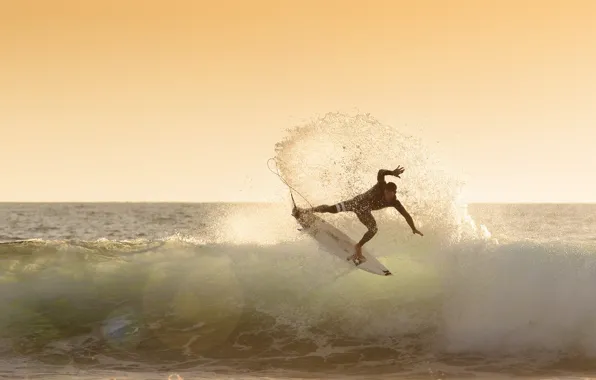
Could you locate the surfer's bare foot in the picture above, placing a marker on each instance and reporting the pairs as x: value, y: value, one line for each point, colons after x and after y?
x: 298, y: 212
x: 358, y: 255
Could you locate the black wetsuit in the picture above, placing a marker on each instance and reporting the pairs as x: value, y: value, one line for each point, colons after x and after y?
x: 362, y: 204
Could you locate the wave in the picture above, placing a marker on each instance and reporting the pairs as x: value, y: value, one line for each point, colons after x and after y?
x: 291, y: 301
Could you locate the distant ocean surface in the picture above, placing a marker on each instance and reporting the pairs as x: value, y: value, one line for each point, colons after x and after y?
x: 235, y: 291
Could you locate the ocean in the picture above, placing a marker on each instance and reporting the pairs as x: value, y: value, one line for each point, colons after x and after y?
x: 235, y: 291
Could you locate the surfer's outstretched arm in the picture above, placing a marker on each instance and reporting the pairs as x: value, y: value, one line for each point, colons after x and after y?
x: 408, y: 218
x: 383, y: 172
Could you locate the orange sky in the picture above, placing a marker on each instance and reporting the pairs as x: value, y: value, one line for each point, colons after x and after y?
x: 162, y: 100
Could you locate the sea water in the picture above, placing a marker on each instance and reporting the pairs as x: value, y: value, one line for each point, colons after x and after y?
x: 147, y: 291
x: 235, y: 291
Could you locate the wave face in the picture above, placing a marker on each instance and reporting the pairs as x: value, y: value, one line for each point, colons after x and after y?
x: 289, y: 305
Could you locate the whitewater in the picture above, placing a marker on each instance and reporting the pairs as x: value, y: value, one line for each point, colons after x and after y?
x: 194, y: 291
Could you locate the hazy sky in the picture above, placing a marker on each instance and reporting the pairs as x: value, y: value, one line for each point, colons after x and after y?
x: 123, y: 100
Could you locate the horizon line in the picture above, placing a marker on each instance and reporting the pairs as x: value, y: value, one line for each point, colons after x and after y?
x: 280, y: 202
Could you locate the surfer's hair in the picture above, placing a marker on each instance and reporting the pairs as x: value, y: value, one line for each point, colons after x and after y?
x: 391, y: 186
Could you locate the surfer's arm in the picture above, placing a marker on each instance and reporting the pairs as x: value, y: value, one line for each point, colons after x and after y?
x: 399, y: 207
x: 382, y: 173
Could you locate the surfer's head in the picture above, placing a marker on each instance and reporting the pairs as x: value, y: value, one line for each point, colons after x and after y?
x: 390, y: 190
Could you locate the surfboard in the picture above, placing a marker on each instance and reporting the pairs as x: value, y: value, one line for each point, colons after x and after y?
x: 335, y: 241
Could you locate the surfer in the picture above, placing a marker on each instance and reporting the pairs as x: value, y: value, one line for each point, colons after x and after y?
x: 381, y: 195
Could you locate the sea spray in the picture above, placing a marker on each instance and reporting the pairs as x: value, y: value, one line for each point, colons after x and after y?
x: 337, y: 156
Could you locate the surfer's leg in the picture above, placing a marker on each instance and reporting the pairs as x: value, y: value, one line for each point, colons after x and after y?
x: 324, y: 208
x: 370, y: 223
x: 334, y: 209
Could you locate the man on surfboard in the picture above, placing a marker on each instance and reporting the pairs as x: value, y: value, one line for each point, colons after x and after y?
x: 381, y: 195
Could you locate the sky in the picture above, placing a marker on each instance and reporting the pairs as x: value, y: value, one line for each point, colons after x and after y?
x: 183, y: 100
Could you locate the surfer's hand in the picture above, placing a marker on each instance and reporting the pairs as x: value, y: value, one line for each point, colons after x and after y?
x: 398, y: 171
x: 414, y: 231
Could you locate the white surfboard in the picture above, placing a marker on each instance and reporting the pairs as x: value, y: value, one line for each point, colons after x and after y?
x: 337, y: 242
